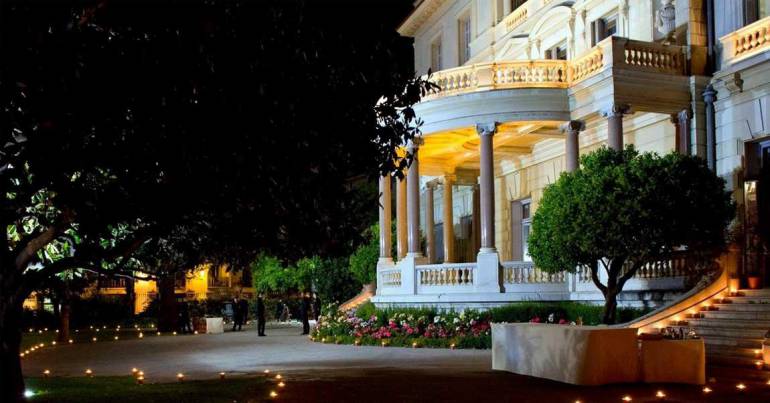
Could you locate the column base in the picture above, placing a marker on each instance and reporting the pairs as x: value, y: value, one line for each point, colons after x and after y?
x: 385, y: 262
x: 488, y: 271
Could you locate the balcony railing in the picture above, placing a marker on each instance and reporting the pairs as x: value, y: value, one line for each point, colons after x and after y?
x: 112, y: 283
x: 526, y: 273
x: 448, y: 274
x: 515, y: 18
x: 613, y: 51
x: 390, y: 278
x: 747, y: 41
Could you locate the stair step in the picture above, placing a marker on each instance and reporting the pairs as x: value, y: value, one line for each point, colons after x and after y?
x: 743, y: 342
x: 735, y: 361
x: 749, y: 292
x: 729, y: 323
x: 729, y: 372
x: 747, y: 299
x: 730, y: 332
x: 733, y: 351
x: 734, y: 307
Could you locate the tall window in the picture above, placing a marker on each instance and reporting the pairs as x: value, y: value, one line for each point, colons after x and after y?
x: 464, y: 43
x: 516, y: 4
x: 435, y: 55
x: 603, y: 28
x: 755, y: 10
x: 558, y: 52
x: 521, y: 222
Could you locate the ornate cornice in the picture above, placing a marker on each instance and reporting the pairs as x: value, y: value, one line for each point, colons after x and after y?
x: 422, y: 13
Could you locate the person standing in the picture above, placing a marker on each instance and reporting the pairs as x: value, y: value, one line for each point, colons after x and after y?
x: 303, y: 313
x: 316, y: 307
x: 279, y: 311
x: 236, y: 314
x: 260, y: 315
x: 243, y: 308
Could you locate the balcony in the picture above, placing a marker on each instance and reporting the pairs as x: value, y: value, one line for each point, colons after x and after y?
x: 746, y: 42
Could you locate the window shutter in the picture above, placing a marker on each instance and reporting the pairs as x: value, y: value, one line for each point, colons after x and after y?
x: 517, y: 250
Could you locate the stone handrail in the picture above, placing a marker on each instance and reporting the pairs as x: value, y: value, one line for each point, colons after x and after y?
x: 613, y: 51
x: 447, y: 274
x: 749, y: 40
x: 653, y: 57
x: 390, y: 278
x: 515, y: 18
x: 527, y: 273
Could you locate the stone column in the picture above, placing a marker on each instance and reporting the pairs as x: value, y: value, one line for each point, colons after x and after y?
x: 487, y: 186
x: 401, y: 218
x: 709, y: 97
x: 448, y: 225
x: 614, y: 114
x: 475, y: 218
x: 685, y: 117
x: 430, y: 240
x: 385, y: 217
x: 572, y: 131
x: 488, y: 274
x: 413, y: 202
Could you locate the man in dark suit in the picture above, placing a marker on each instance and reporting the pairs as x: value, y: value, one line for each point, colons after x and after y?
x: 303, y: 313
x: 236, y: 313
x: 260, y: 315
x: 243, y: 309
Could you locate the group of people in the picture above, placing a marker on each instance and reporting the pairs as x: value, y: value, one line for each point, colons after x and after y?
x: 310, y: 307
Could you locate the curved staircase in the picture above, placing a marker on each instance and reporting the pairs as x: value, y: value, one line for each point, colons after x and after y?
x: 733, y: 329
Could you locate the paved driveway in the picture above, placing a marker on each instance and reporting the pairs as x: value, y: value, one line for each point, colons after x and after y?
x: 204, y: 356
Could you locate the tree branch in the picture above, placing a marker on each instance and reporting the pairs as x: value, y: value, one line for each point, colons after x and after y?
x: 595, y: 278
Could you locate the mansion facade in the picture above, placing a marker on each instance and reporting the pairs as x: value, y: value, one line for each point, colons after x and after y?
x: 525, y: 88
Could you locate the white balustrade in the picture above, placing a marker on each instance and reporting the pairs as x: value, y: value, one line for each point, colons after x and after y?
x: 527, y: 273
x: 747, y: 41
x: 447, y: 274
x: 390, y: 278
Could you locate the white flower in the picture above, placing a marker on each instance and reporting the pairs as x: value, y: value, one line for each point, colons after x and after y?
x: 457, y: 320
x: 437, y: 319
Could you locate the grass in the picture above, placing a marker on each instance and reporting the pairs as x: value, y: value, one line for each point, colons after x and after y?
x: 119, y: 389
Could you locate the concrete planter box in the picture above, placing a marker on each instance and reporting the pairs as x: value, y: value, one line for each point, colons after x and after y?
x: 210, y: 325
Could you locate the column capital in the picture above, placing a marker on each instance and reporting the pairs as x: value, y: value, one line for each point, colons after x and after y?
x: 486, y: 129
x: 685, y: 113
x: 573, y: 126
x: 614, y: 109
x: 448, y: 177
x: 709, y: 94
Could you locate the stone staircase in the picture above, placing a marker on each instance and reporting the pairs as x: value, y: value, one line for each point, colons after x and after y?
x: 733, y: 329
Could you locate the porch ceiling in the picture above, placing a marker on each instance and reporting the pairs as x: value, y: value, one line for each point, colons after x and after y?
x: 458, y: 149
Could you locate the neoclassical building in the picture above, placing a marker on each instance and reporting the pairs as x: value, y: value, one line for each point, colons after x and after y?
x: 526, y: 86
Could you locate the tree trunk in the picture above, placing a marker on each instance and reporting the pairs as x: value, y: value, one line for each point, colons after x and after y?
x: 167, y: 315
x: 610, y: 307
x: 11, y: 379
x: 64, y: 320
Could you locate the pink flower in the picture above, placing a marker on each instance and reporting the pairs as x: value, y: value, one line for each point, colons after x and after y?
x: 536, y: 319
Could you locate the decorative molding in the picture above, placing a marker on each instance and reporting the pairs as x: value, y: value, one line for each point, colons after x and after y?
x: 422, y: 13
x: 733, y: 83
x: 615, y: 109
x: 486, y: 129
x: 573, y: 126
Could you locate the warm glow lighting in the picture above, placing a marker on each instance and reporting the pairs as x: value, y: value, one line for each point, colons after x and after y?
x: 267, y: 371
x: 281, y: 384
x: 452, y: 346
x: 140, y: 380
x: 706, y: 390
x: 759, y: 364
x: 29, y: 393
x: 741, y: 387
x: 273, y: 394
x: 141, y: 374
x: 116, y: 337
x: 21, y: 355
x: 70, y: 341
x: 757, y: 352
x: 660, y: 394
x: 278, y: 376
x: 222, y: 375
x: 89, y: 372
x: 158, y: 333
x: 626, y: 398
x: 414, y: 345
x: 46, y: 373
x: 174, y: 333
x: 140, y: 335
x: 134, y: 371
x: 180, y: 377
x: 94, y: 339
x: 676, y: 318
x: 53, y: 343
x: 195, y: 332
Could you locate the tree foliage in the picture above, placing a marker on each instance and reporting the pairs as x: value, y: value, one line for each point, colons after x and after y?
x: 624, y: 209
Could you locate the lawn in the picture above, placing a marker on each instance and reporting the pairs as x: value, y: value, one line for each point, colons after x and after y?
x: 125, y: 389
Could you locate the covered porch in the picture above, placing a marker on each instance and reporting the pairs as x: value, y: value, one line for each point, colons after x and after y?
x: 491, y: 119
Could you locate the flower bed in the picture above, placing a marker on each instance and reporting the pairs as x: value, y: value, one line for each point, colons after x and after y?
x: 408, y: 327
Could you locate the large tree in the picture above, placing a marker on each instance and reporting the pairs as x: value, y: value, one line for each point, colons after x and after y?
x: 624, y: 209
x: 125, y: 124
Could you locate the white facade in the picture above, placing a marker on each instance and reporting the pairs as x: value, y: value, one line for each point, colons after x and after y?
x: 532, y: 67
